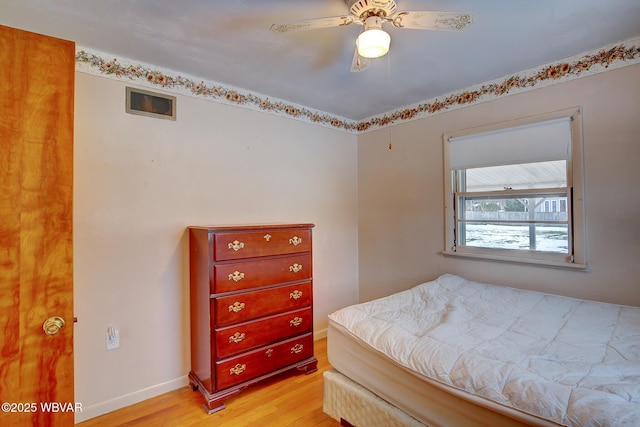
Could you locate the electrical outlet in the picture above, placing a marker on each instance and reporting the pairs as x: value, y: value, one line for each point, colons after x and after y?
x: 113, y: 337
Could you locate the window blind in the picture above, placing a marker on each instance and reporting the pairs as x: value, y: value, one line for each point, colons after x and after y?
x: 535, y: 142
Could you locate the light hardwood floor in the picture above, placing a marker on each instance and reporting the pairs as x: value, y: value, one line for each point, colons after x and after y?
x: 291, y: 399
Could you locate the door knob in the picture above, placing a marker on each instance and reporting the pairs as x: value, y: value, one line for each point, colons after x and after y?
x: 52, y: 325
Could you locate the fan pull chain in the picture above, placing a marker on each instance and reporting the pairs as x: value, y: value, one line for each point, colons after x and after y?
x: 388, y: 96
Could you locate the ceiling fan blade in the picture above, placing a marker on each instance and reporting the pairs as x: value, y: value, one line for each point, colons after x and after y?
x: 313, y: 24
x: 431, y: 20
x: 359, y: 63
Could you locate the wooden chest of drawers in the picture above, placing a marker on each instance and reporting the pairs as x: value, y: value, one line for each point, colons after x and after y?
x: 251, y: 306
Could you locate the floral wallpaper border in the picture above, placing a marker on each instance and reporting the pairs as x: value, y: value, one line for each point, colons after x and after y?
x: 596, y: 61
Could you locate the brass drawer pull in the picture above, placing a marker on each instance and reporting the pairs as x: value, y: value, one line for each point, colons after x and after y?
x: 267, y: 237
x: 236, y: 245
x: 236, y: 306
x: 237, y: 337
x: 269, y: 352
x: 295, y: 267
x: 238, y: 369
x: 295, y: 294
x: 295, y: 241
x: 296, y: 321
x: 236, y: 276
x: 297, y: 348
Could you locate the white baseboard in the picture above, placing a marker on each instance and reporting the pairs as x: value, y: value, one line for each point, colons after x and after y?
x: 119, y: 402
x: 318, y: 335
x: 101, y: 408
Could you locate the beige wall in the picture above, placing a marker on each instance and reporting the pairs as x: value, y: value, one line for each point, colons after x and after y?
x: 400, y: 221
x: 378, y: 213
x: 139, y: 182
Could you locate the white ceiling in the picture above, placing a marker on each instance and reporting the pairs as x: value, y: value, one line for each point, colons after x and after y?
x: 229, y: 42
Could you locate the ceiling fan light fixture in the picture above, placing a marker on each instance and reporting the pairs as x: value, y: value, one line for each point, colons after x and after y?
x: 373, y: 42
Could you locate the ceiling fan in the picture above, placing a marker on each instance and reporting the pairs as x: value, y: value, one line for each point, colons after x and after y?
x: 373, y: 41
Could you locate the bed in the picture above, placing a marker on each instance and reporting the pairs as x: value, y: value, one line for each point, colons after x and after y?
x: 454, y: 352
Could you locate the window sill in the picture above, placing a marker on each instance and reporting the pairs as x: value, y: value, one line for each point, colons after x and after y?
x: 526, y: 261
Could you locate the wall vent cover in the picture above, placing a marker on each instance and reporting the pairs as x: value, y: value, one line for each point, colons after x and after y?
x: 150, y: 104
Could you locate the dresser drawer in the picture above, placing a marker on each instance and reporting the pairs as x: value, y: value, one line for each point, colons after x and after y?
x: 251, y: 305
x: 250, y: 365
x: 250, y: 244
x: 260, y: 272
x: 238, y: 338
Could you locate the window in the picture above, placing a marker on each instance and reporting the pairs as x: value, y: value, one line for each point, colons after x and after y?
x: 515, y: 191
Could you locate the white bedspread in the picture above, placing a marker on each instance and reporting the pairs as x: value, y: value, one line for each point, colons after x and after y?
x: 571, y: 361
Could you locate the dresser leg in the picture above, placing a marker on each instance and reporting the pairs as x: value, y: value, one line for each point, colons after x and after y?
x: 214, y: 406
x: 213, y: 402
x: 194, y: 382
x: 310, y: 367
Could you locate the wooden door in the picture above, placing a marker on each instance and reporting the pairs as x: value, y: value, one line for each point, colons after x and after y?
x: 36, y: 248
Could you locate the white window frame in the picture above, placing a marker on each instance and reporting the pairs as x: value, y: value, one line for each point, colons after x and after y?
x: 576, y: 259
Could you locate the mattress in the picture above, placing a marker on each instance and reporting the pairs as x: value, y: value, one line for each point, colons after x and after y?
x: 518, y: 356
